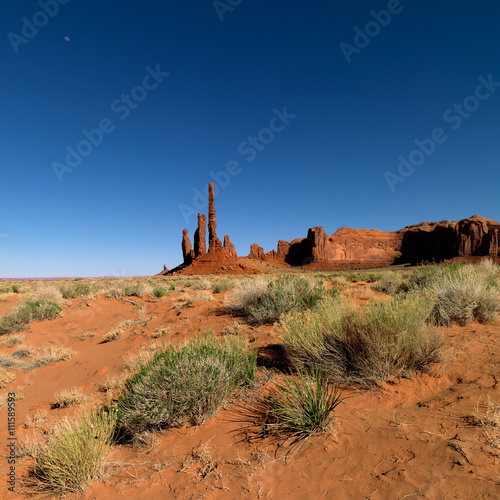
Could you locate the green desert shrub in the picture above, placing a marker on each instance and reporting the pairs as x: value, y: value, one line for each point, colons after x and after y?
x: 366, y: 346
x: 74, y: 453
x: 185, y: 385
x: 159, y: 292
x: 18, y: 319
x: 265, y: 301
x: 301, y: 406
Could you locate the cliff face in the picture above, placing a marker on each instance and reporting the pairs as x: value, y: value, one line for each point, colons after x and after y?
x: 428, y: 241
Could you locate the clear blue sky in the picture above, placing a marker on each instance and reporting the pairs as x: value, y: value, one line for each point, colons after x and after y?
x: 232, y: 66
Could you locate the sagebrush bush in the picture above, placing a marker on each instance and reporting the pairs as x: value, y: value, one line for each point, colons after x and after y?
x: 27, y: 311
x: 74, y: 453
x: 188, y: 384
x: 464, y: 292
x: 265, y: 301
x: 364, y: 346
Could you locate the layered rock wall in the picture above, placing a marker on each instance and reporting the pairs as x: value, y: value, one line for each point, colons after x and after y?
x: 428, y: 241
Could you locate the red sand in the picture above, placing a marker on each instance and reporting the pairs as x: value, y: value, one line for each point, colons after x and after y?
x: 406, y: 439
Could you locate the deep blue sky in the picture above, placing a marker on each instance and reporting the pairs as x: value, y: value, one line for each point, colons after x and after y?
x: 117, y: 212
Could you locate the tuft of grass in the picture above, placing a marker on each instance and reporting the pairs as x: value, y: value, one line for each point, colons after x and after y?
x: 19, y: 319
x: 185, y: 385
x: 69, y: 397
x: 6, y: 377
x: 159, y: 292
x: 391, y: 286
x: 391, y: 338
x: 52, y: 354
x: 74, y: 454
x: 116, y: 332
x: 202, y: 285
x: 265, y: 301
x: 47, y: 294
x: 302, y: 406
x: 75, y: 289
x: 222, y: 285
x: 490, y: 422
x: 36, y: 420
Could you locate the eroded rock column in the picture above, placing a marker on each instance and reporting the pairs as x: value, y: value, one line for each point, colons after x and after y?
x: 214, y: 243
x: 200, y: 243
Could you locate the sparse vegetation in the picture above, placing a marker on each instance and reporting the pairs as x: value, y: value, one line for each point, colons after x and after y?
x: 19, y: 319
x: 72, y: 290
x: 187, y: 384
x: 74, y: 453
x: 364, y: 346
x: 265, y: 301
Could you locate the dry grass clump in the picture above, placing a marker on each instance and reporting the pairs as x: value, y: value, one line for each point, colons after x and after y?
x: 74, y: 453
x: 160, y: 332
x: 202, y: 285
x: 69, y: 397
x: 49, y: 354
x: 490, y: 421
x: 47, y: 294
x: 185, y: 385
x: 36, y: 420
x: 201, y: 296
x: 6, y: 377
x: 265, y: 301
x: 116, y: 332
x: 363, y: 346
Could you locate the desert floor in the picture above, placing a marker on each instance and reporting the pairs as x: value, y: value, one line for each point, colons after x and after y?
x: 409, y: 438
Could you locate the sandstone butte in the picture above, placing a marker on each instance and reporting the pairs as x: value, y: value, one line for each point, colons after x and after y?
x: 347, y: 248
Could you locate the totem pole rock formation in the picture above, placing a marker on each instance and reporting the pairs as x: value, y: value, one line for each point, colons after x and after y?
x: 214, y: 244
x: 229, y: 247
x: 187, y: 252
x: 200, y: 244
